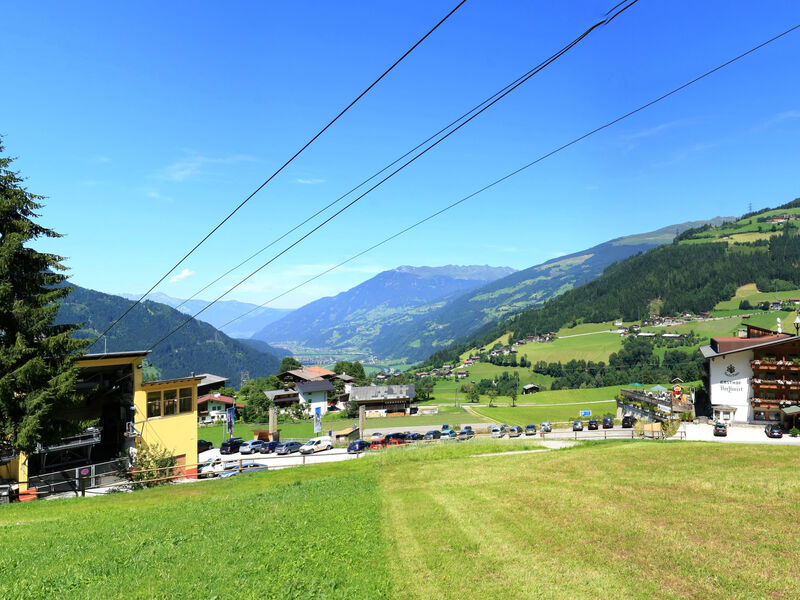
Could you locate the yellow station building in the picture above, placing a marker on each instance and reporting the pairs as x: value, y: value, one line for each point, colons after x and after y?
x: 129, y: 413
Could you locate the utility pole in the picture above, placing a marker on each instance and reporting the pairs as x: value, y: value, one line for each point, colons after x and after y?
x: 362, y: 418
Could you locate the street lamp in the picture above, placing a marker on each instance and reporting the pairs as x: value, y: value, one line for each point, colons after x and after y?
x: 797, y: 325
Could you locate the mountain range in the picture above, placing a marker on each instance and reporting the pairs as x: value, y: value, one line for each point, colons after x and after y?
x: 353, y: 320
x: 197, y: 347
x: 410, y: 312
x: 220, y: 313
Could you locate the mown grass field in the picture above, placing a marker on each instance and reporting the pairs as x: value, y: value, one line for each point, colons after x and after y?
x: 523, y: 415
x: 602, y: 520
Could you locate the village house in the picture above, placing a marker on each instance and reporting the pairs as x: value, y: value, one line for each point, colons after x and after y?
x: 211, y: 408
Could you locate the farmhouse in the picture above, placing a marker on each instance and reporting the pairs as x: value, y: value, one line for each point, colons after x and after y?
x: 755, y: 377
x: 209, y: 383
x: 384, y: 400
x: 126, y: 413
x: 296, y: 375
x: 283, y: 398
x: 530, y: 388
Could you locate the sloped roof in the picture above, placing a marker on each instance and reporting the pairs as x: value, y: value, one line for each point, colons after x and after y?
x: 218, y: 398
x: 321, y: 371
x: 273, y: 394
x: 210, y: 379
x: 382, y: 392
x: 318, y: 385
x: 302, y: 374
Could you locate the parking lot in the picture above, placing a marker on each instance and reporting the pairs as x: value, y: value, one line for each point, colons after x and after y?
x: 737, y: 433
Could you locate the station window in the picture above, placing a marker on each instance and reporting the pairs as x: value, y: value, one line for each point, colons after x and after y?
x: 153, y: 404
x: 774, y: 416
x: 185, y: 400
x: 170, y: 402
x: 760, y: 415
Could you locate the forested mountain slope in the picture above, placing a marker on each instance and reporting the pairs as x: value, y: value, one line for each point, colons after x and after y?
x: 669, y: 279
x: 470, y: 312
x: 196, y: 347
x: 365, y: 315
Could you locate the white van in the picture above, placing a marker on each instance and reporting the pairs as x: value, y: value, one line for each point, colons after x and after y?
x: 316, y: 444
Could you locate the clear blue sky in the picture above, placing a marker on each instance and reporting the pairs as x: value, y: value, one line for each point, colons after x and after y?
x: 145, y: 123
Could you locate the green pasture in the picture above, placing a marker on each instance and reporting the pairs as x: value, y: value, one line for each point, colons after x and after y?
x: 593, y: 346
x: 523, y: 415
x: 639, y: 520
x: 754, y: 296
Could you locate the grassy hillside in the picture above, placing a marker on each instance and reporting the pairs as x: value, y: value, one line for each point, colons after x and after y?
x: 610, y: 520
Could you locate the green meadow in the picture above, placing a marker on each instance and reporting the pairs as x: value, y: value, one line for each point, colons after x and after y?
x: 637, y: 520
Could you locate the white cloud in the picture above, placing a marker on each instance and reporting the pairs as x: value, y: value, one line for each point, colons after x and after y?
x: 313, y: 181
x: 182, y: 275
x: 195, y: 164
x: 787, y: 115
x: 156, y: 195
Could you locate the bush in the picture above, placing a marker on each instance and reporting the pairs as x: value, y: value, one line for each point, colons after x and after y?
x: 794, y: 432
x: 151, y: 462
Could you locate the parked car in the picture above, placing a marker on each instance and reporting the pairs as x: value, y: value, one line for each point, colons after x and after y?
x: 269, y: 447
x: 449, y: 435
x: 317, y: 444
x: 396, y: 437
x: 433, y: 434
x: 414, y: 437
x: 530, y: 429
x: 466, y: 434
x: 209, y: 468
x: 234, y: 468
x: 230, y: 445
x: 627, y: 422
x: 608, y: 422
x: 287, y: 447
x: 251, y: 446
x: 357, y: 446
x: 498, y: 431
x: 774, y: 430
x: 593, y: 425
x: 446, y: 432
x: 377, y: 444
x: 577, y: 426
x: 720, y: 429
x: 203, y: 445
x: 515, y: 431
x: 546, y: 427
x: 376, y: 436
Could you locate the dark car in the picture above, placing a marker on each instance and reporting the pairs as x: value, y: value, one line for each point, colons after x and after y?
x: 414, y: 437
x: 230, y: 445
x: 466, y: 434
x: 593, y: 424
x: 627, y: 422
x: 577, y: 426
x: 720, y: 429
x: 269, y: 447
x: 433, y: 434
x: 395, y: 438
x: 203, y: 445
x: 287, y: 447
x: 357, y: 446
x: 530, y: 429
x: 608, y: 422
x: 774, y: 430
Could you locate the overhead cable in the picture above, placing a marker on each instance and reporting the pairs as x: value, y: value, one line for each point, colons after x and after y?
x: 282, y: 167
x: 534, y: 71
x: 513, y: 173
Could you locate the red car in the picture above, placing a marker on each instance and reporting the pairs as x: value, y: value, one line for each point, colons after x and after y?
x: 377, y: 443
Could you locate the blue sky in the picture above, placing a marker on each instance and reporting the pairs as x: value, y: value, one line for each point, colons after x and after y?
x: 145, y: 123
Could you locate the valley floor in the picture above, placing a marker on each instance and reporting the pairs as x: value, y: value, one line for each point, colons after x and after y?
x: 598, y: 520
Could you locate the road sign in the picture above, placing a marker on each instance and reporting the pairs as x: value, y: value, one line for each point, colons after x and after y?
x: 585, y: 413
x: 317, y: 419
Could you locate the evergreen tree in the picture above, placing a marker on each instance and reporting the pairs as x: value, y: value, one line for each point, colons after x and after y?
x: 37, y: 358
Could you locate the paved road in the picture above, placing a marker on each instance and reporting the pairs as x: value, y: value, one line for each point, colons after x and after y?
x: 742, y: 434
